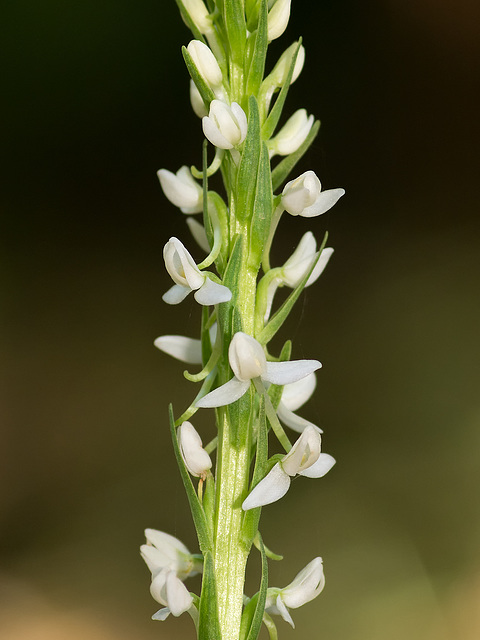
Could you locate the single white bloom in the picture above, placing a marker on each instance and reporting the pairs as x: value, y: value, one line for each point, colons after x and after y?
x: 196, y: 459
x: 294, y: 396
x: 225, y: 126
x: 279, y: 73
x: 188, y: 277
x: 304, y: 458
x: 199, y: 14
x: 181, y: 189
x: 170, y: 562
x: 297, y: 266
x: 206, y: 63
x: 248, y: 362
x: 278, y: 18
x: 304, y: 196
x: 292, y: 134
x: 306, y: 586
x: 199, y: 234
x: 196, y: 101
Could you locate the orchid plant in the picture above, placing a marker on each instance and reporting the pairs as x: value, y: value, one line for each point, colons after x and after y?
x: 254, y: 392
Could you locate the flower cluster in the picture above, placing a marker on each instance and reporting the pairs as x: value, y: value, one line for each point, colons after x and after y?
x: 255, y: 394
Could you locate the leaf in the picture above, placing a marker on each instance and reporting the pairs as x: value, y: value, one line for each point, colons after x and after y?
x: 262, y: 597
x: 257, y: 67
x: 280, y: 316
x: 208, y: 626
x: 196, y: 508
x: 234, y: 20
x: 205, y: 91
x: 262, y: 209
x: 284, y: 167
x: 248, y: 169
x: 189, y: 22
x: 253, y: 613
x: 274, y: 116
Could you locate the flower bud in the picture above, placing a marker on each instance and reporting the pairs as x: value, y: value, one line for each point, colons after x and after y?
x: 181, y: 189
x: 304, y: 196
x: 196, y: 101
x: 278, y: 17
x: 292, y: 134
x: 278, y: 76
x: 246, y: 356
x: 198, y: 12
x: 206, y: 63
x: 196, y: 459
x: 225, y: 127
x: 300, y: 262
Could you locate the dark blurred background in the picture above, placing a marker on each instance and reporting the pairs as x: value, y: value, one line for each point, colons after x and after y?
x: 95, y: 100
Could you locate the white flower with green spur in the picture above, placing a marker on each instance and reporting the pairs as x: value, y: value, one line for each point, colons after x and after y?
x: 304, y: 196
x: 306, y: 586
x: 182, y: 189
x: 248, y: 362
x: 170, y: 563
x: 304, y: 459
x: 188, y: 277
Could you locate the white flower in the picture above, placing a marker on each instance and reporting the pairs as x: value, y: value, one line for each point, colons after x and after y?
x: 304, y: 196
x: 248, y: 362
x: 304, y: 459
x: 297, y: 266
x: 306, y: 586
x: 225, y: 127
x: 196, y: 101
x: 196, y: 459
x: 278, y: 17
x: 206, y: 64
x: 294, y: 396
x: 181, y: 189
x: 170, y: 562
x: 199, y: 14
x: 292, y: 134
x: 188, y: 277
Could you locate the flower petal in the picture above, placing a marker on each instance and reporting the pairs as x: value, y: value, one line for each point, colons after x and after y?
x: 176, y: 294
x: 212, y: 293
x: 283, y: 611
x: 304, y: 452
x: 162, y: 614
x: 319, y: 468
x: 199, y: 234
x: 282, y: 373
x: 226, y: 394
x: 323, y: 203
x: 296, y: 394
x: 180, y: 347
x: 273, y: 487
x: 297, y: 423
x: 213, y: 134
x: 179, y: 599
